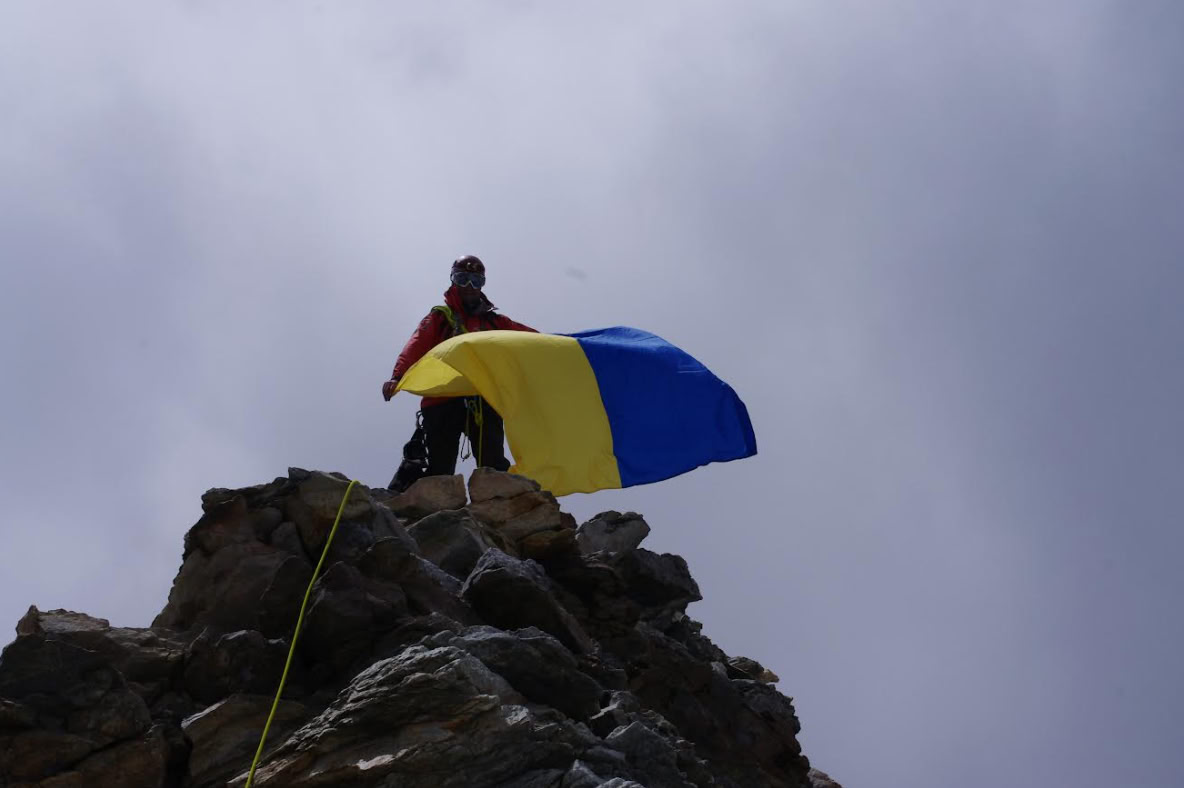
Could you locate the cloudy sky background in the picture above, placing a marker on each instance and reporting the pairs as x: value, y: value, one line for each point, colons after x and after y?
x: 936, y: 248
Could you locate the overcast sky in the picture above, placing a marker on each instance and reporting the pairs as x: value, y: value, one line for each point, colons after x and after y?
x: 935, y: 246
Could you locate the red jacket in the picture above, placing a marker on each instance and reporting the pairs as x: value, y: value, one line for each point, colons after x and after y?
x: 435, y: 328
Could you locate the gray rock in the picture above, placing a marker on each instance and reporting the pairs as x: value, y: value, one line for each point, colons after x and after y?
x: 223, y: 590
x: 747, y: 668
x: 486, y: 484
x: 581, y: 776
x: 350, y: 542
x: 79, y: 688
x: 35, y: 755
x: 622, y: 709
x: 430, y: 718
x: 346, y: 614
x: 286, y: 537
x: 146, y: 658
x: 429, y: 495
x: 645, y: 747
x: 511, y: 593
x: 538, y: 778
x: 14, y: 716
x: 612, y: 532
x: 226, y: 735
x: 323, y: 494
x: 580, y: 670
x: 660, y: 584
x: 535, y: 664
x: 427, y: 587
x: 386, y: 525
x: 226, y: 520
x: 279, y: 605
x: 140, y: 763
x: 315, y: 505
x: 265, y: 521
x: 452, y: 540
x: 239, y: 662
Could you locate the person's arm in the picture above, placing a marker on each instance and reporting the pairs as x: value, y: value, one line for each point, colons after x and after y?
x: 506, y: 324
x: 426, y: 336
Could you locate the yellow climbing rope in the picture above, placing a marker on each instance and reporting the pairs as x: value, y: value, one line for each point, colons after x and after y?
x: 299, y: 623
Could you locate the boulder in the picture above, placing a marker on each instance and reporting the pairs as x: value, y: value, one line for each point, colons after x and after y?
x: 224, y: 590
x: 747, y: 668
x: 38, y: 754
x: 452, y: 540
x: 429, y: 495
x: 75, y: 689
x: 427, y: 588
x: 147, y: 659
x: 286, y: 537
x: 226, y: 735
x: 612, y: 532
x: 315, y: 505
x: 432, y: 718
x: 534, y: 663
x: 139, y: 763
x: 238, y: 662
x: 486, y: 484
x: 550, y: 545
x: 511, y: 593
x: 660, y: 584
x: 346, y: 614
x: 517, y: 518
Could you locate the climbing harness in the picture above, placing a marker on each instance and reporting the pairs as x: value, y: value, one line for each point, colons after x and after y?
x: 474, y: 406
x: 299, y: 623
x: 475, y: 410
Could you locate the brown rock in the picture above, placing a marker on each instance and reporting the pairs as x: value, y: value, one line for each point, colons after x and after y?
x: 545, y: 517
x: 549, y: 545
x: 496, y: 511
x: 486, y: 484
x: 428, y: 495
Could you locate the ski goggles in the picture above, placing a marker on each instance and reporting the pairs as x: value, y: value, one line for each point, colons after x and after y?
x: 468, y: 279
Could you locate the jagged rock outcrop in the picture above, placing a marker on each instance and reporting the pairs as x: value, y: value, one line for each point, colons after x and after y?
x: 452, y: 639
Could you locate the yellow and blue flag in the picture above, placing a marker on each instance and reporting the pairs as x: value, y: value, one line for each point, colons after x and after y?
x: 595, y: 410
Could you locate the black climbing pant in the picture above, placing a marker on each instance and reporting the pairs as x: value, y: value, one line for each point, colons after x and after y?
x: 443, y: 425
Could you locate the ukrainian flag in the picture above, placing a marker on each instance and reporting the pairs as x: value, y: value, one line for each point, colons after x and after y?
x: 594, y: 410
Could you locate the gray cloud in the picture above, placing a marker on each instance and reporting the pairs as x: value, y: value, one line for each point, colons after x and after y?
x: 934, y: 248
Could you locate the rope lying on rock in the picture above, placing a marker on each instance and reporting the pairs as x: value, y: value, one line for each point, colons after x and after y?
x: 299, y: 623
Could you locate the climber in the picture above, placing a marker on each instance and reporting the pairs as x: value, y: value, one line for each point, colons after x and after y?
x: 442, y: 420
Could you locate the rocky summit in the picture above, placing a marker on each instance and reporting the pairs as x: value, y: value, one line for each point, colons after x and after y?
x: 458, y: 636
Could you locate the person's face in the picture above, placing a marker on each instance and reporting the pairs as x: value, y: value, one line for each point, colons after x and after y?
x: 469, y: 282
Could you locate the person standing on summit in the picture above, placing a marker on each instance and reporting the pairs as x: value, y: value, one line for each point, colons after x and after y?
x: 444, y: 419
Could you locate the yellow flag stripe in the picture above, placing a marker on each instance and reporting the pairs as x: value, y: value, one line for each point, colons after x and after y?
x: 547, y: 394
